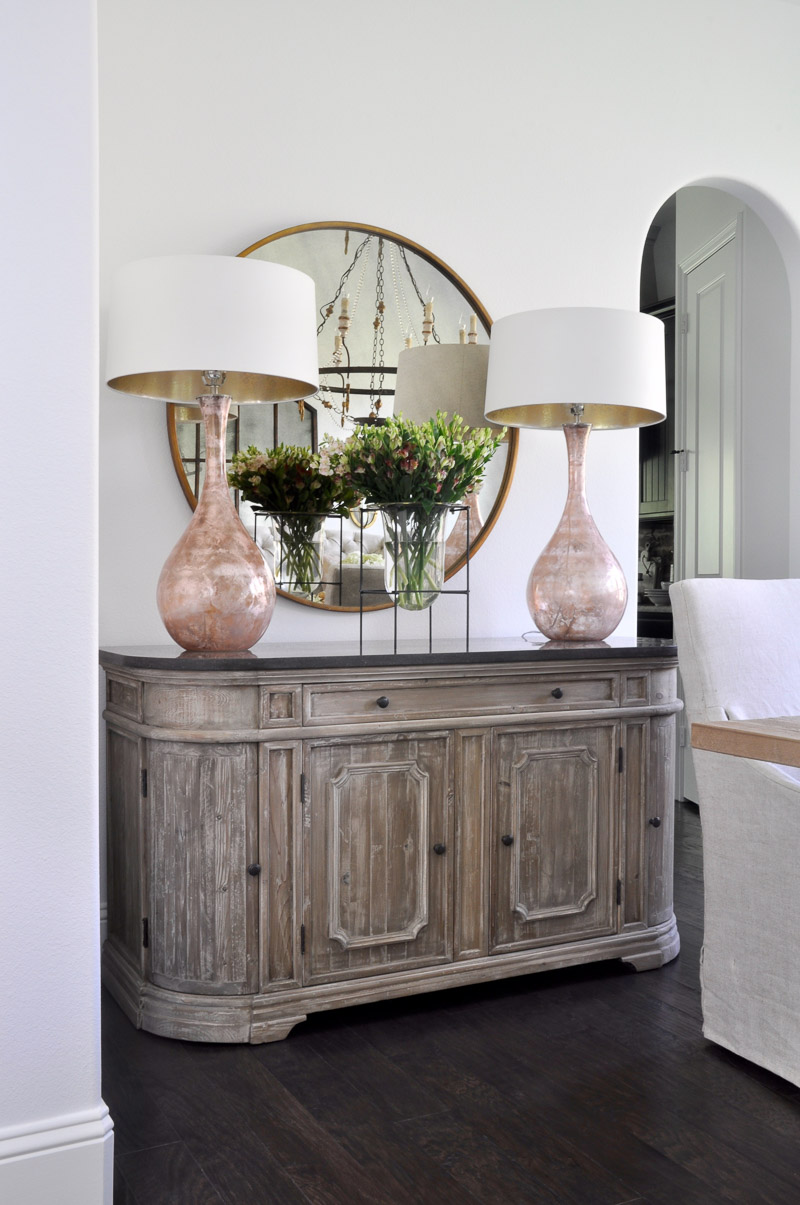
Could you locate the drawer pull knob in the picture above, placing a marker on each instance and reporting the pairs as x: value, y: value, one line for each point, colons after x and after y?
x: 655, y: 821
x: 439, y: 848
x: 254, y: 868
x: 557, y: 693
x: 383, y: 701
x: 507, y: 840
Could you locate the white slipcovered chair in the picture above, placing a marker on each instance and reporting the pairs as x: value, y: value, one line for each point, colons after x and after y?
x: 739, y: 654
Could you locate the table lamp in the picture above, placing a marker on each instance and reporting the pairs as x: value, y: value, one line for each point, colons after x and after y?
x: 577, y: 368
x: 213, y: 329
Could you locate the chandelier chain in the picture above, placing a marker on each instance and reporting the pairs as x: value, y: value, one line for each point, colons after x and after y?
x: 326, y: 310
x: 378, y: 336
x: 402, y: 250
x: 406, y: 322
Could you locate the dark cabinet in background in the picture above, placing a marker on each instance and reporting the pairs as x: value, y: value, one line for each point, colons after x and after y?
x: 657, y: 443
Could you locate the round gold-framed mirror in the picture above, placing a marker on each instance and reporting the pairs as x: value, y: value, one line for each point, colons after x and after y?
x: 396, y: 327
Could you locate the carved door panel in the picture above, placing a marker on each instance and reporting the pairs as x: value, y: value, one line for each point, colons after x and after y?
x: 378, y: 855
x: 202, y: 837
x: 554, y: 835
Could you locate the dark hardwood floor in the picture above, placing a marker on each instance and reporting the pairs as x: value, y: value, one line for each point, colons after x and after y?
x: 591, y: 1086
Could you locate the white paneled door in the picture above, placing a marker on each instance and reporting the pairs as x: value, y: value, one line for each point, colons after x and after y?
x: 710, y: 446
x: 708, y: 424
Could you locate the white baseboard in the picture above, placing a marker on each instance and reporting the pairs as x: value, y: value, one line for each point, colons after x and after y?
x: 66, y: 1160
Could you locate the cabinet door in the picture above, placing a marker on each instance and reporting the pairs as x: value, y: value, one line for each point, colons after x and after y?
x: 201, y: 836
x: 377, y: 892
x: 554, y: 835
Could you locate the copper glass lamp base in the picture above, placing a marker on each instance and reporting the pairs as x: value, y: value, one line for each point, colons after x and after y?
x: 577, y: 590
x: 216, y: 591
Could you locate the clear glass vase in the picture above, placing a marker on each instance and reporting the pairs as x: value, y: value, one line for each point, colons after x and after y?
x: 414, y: 554
x: 299, y: 551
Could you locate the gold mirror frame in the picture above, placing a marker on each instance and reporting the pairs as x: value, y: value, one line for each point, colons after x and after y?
x: 472, y: 304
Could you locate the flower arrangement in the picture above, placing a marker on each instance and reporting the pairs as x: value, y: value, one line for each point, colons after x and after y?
x: 298, y: 488
x: 294, y: 479
x: 413, y: 472
x: 422, y: 464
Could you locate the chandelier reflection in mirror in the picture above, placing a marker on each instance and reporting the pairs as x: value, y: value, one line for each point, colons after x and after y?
x: 357, y: 316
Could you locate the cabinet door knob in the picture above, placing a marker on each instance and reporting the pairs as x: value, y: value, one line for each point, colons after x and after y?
x: 655, y: 821
x: 507, y: 840
x: 383, y: 701
x: 557, y: 693
x: 439, y: 848
x: 254, y: 869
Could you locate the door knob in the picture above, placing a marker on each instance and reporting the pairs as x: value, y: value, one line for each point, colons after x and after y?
x: 439, y: 848
x: 382, y: 701
x: 254, y: 869
x: 557, y: 693
x: 507, y: 840
x: 655, y: 821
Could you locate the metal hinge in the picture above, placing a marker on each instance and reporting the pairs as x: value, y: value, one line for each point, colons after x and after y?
x: 144, y: 784
x: 620, y: 759
x: 684, y: 324
x: 303, y: 798
x: 619, y: 891
x: 145, y: 932
x: 302, y: 939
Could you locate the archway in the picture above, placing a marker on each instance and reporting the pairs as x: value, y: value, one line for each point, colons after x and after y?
x: 716, y: 488
x: 690, y: 477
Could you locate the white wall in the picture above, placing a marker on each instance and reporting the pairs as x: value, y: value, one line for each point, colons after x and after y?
x: 55, y: 1139
x: 766, y: 462
x: 765, y: 467
x: 527, y: 143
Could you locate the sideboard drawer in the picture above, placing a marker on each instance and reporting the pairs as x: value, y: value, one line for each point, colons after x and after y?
x: 200, y: 708
x: 409, y: 699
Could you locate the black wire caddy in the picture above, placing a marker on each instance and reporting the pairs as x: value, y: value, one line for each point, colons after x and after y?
x: 365, y: 593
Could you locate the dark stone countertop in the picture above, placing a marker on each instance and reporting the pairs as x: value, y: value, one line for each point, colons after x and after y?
x: 299, y: 655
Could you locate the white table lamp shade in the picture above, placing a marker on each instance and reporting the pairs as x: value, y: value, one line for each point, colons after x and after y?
x: 610, y: 361
x: 174, y: 317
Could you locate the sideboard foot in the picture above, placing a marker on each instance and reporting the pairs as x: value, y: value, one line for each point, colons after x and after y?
x: 275, y: 1029
x: 663, y: 949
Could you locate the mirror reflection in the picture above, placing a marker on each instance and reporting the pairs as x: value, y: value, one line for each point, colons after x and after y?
x: 398, y: 332
x: 264, y: 426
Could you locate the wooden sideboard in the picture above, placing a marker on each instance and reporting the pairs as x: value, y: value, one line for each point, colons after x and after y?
x: 306, y: 828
